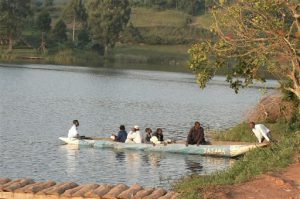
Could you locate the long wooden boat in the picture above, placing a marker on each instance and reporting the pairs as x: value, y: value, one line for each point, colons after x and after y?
x: 220, y: 150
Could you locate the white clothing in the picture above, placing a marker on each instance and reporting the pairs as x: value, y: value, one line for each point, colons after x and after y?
x: 154, y: 140
x: 134, y: 137
x: 261, y: 131
x: 73, y: 133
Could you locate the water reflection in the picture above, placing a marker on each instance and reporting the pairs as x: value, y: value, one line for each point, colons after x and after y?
x: 192, y: 165
x: 70, y: 151
x: 120, y: 156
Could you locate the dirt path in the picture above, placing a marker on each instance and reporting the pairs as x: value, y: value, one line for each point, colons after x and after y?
x: 284, y: 185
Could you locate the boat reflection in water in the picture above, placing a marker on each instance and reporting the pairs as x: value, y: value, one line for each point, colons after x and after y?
x: 128, y: 166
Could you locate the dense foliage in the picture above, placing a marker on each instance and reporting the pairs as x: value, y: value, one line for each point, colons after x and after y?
x: 107, y: 19
x: 12, y: 19
x: 252, y: 36
x: 193, y: 7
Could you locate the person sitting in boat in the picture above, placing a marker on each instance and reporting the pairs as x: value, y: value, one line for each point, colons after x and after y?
x: 122, y: 135
x: 148, y: 135
x: 134, y: 136
x: 73, y: 132
x: 260, y: 131
x: 196, y: 135
x: 157, y: 137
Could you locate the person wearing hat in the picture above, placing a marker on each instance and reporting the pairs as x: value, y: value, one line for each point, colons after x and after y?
x: 134, y: 136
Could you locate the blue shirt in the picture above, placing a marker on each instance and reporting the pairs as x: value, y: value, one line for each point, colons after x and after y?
x: 122, y: 136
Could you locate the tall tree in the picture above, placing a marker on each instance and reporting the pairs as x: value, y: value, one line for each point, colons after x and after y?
x: 252, y: 35
x: 48, y: 3
x: 12, y: 19
x: 44, y: 24
x: 76, y: 12
x: 59, y: 31
x: 106, y: 19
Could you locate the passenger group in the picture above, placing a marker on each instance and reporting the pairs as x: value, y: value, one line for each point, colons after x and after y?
x: 195, y: 135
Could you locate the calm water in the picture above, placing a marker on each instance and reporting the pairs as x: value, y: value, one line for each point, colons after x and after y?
x: 38, y: 103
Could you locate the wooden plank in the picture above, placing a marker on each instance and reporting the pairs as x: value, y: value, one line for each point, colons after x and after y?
x: 23, y: 196
x: 23, y: 189
x: 4, y: 181
x: 86, y: 188
x: 44, y: 185
x: 99, y: 192
x: 57, y: 188
x: 129, y: 193
x: 143, y: 193
x: 8, y: 184
x: 17, y: 185
x: 61, y: 188
x: 6, y: 195
x: 169, y: 195
x: 114, y: 192
x: 156, y: 194
x: 70, y: 192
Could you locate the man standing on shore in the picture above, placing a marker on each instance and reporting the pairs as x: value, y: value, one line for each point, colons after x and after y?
x: 196, y: 135
x: 260, y: 131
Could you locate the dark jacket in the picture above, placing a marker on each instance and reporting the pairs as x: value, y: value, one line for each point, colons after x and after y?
x: 160, y: 137
x: 147, y: 138
x: 122, y: 136
x: 196, y: 136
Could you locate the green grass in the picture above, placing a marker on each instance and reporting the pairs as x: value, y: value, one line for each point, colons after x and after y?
x: 174, y: 56
x: 61, y: 57
x: 154, y: 50
x: 145, y: 17
x: 243, y: 133
x: 76, y: 57
x: 255, y: 162
x: 204, y: 21
x: 17, y: 54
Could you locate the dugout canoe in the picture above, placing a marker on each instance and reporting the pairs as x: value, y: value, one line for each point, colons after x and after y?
x: 220, y: 150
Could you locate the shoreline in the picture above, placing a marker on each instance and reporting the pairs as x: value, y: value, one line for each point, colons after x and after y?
x: 274, y: 159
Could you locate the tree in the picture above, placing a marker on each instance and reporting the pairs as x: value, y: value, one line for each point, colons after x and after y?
x: 48, y: 3
x: 83, y: 38
x: 12, y: 19
x: 76, y: 12
x: 59, y: 31
x: 251, y: 36
x: 107, y: 19
x: 44, y: 24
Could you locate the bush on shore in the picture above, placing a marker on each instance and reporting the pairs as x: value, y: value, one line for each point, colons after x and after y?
x: 272, y: 108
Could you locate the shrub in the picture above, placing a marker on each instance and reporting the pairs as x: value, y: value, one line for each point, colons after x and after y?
x: 271, y: 109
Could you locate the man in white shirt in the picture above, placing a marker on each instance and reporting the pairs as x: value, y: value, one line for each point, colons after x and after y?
x: 134, y: 136
x: 260, y: 131
x: 73, y: 132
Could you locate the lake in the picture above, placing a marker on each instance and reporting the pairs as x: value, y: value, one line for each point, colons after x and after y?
x: 39, y: 102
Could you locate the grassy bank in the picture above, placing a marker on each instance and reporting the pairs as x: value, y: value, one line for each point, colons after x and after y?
x: 243, y: 133
x: 258, y: 161
x: 133, y: 56
x: 175, y: 55
x: 61, y: 57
